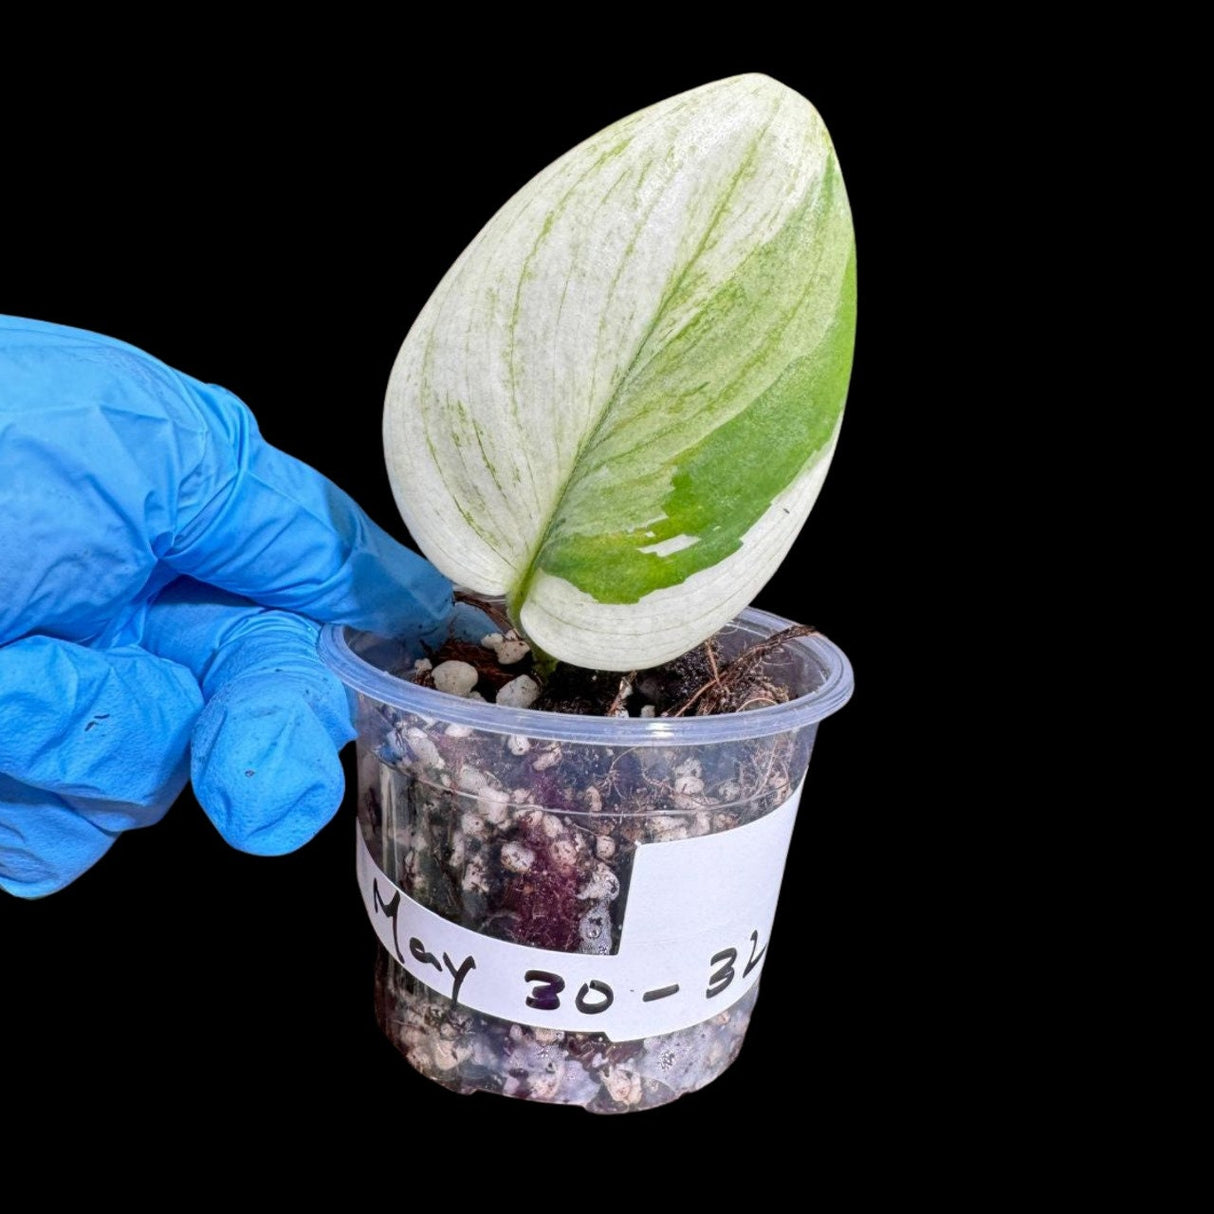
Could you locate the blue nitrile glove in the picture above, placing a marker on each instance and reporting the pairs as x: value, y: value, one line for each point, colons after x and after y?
x: 157, y: 561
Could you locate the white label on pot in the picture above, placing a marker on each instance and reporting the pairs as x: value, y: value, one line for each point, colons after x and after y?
x: 694, y: 937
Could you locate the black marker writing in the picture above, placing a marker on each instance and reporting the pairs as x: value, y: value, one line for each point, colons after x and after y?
x: 544, y: 998
x: 418, y: 949
x: 662, y: 992
x: 725, y: 975
x: 458, y: 974
x: 584, y: 1004
x: 390, y: 909
x: 754, y: 960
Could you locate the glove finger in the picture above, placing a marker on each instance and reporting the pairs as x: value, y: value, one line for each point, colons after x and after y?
x: 274, y: 530
x: 46, y: 842
x: 110, y: 726
x: 471, y: 624
x: 264, y: 760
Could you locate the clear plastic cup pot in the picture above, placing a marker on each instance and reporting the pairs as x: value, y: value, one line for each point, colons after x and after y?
x: 576, y: 909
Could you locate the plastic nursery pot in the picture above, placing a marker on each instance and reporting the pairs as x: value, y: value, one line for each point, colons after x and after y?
x: 576, y: 909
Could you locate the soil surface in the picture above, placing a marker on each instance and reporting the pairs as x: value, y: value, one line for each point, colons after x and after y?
x: 695, y: 684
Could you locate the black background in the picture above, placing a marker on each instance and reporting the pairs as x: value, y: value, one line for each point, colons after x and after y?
x: 279, y: 239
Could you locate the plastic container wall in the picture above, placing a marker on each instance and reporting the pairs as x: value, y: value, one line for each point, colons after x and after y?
x: 576, y: 909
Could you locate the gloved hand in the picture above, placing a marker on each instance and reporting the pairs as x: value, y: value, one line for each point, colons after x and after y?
x: 161, y: 567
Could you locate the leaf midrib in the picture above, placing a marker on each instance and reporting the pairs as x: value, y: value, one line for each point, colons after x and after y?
x: 518, y: 596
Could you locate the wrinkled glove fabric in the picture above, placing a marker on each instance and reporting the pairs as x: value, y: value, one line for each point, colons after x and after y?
x: 162, y: 572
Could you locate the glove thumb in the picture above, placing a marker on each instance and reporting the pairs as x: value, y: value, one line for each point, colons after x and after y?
x: 264, y: 758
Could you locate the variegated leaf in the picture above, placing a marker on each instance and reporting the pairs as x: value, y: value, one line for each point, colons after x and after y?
x: 619, y: 405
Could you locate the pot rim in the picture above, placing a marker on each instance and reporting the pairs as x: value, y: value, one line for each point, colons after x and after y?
x: 835, y: 690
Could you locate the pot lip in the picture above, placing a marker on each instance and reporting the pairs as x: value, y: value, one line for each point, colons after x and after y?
x: 836, y: 689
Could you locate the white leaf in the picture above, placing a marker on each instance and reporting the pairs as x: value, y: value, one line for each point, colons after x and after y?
x: 618, y: 406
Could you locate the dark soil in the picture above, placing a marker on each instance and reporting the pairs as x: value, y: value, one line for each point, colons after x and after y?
x: 695, y: 684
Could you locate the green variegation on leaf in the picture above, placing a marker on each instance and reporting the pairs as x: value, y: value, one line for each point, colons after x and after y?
x: 619, y: 405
